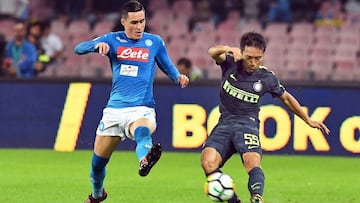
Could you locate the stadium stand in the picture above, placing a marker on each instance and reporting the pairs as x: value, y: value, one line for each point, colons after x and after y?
x: 302, y: 50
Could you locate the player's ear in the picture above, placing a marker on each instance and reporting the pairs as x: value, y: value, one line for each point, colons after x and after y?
x: 122, y: 21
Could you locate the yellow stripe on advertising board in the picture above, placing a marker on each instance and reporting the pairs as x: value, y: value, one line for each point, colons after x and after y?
x: 72, y: 116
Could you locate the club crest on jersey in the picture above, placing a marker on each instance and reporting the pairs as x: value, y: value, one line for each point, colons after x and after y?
x: 148, y: 42
x: 133, y: 54
x: 257, y: 86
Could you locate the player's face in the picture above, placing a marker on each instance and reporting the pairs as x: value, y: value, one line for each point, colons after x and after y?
x: 252, y: 58
x: 134, y: 24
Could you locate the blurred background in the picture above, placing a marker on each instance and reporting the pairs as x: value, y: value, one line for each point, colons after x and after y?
x: 308, y: 40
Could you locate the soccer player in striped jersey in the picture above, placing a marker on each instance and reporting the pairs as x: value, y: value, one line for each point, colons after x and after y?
x: 133, y: 56
x: 244, y: 82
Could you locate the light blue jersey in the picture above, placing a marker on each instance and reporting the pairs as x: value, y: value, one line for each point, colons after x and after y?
x: 133, y: 64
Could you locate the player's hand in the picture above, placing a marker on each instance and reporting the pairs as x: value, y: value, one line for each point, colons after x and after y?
x: 236, y: 53
x: 103, y: 48
x: 319, y: 125
x: 183, y: 80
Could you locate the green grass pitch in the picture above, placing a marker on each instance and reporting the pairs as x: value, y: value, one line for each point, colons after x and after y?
x: 43, y: 176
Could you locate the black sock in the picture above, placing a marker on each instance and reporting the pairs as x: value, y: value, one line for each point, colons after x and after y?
x: 256, y: 181
x: 234, y: 199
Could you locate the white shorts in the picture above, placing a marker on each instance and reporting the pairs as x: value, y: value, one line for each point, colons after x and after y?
x: 116, y: 122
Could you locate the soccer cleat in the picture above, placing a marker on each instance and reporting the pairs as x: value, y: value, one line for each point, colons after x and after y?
x: 150, y: 160
x: 91, y: 199
x: 237, y: 200
x: 256, y: 198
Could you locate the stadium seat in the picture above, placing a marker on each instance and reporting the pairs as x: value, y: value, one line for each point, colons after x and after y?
x: 345, y: 53
x: 321, y: 69
x: 58, y: 26
x: 296, y: 50
x: 159, y: 21
x: 79, y: 26
x: 277, y: 33
x: 277, y: 28
x: 251, y: 26
x: 6, y: 28
x: 302, y: 27
x: 275, y: 64
x: 95, y: 66
x: 71, y: 67
x: 176, y: 49
x: 349, y: 39
x: 199, y: 57
x: 343, y: 70
x: 157, y: 5
x: 325, y: 34
x: 103, y: 27
x: 274, y: 49
x: 186, y: 9
x: 296, y: 69
x: 302, y: 33
x: 214, y: 71
x: 356, y: 72
x: 178, y: 29
x: 227, y: 37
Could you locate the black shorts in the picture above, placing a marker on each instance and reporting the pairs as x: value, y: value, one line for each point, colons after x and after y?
x: 229, y: 138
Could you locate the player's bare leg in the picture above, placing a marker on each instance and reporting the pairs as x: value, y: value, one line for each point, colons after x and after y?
x: 252, y: 163
x: 210, y: 162
x: 103, y: 148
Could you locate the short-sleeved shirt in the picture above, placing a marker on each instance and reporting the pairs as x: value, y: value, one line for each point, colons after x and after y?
x: 240, y: 91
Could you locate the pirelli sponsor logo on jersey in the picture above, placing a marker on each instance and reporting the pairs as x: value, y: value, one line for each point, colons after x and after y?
x: 240, y: 94
x: 133, y: 54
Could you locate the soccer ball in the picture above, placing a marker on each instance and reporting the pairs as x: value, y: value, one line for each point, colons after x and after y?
x: 219, y: 187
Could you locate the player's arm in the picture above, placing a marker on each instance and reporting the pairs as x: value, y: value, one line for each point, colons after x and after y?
x: 295, y: 107
x: 98, y: 45
x: 218, y: 53
x: 168, y: 67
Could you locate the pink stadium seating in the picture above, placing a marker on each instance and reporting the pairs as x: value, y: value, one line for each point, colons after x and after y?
x: 79, y: 26
x: 182, y: 8
x: 103, y: 27
x: 296, y: 69
x: 321, y: 69
x: 6, y: 28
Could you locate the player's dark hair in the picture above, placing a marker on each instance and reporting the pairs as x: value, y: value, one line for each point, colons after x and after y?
x: 131, y: 6
x: 253, y: 39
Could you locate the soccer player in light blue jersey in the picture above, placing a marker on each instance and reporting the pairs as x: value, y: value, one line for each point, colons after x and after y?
x: 133, y: 56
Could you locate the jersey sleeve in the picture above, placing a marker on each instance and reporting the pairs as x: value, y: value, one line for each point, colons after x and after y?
x: 165, y: 64
x: 227, y: 63
x: 276, y: 88
x: 89, y: 46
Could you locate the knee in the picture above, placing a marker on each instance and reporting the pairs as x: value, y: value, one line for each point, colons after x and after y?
x: 141, y: 132
x: 209, y: 162
x: 209, y: 165
x: 251, y: 160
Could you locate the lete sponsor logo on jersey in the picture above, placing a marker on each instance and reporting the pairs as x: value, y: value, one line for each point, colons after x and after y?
x: 133, y: 54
